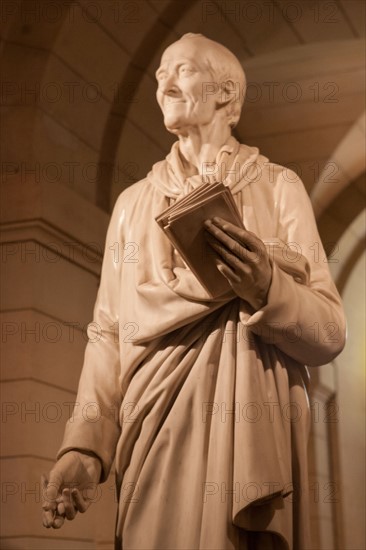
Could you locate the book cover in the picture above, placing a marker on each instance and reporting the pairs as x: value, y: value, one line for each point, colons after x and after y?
x: 183, y: 223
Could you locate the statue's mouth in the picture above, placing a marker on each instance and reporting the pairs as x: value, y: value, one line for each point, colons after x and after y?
x: 173, y: 101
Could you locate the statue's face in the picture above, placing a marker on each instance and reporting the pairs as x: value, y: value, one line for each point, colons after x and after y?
x: 185, y: 87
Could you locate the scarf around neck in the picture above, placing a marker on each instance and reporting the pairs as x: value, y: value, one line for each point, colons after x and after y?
x: 235, y: 166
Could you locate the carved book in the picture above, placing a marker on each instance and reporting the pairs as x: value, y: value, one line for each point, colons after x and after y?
x: 183, y: 223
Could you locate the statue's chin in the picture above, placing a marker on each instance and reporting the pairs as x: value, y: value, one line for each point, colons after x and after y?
x: 172, y: 125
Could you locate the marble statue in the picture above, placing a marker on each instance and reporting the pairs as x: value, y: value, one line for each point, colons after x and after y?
x: 204, y: 404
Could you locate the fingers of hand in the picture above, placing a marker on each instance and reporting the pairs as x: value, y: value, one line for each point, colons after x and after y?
x: 228, y: 253
x: 227, y: 257
x: 58, y: 522
x: 81, y: 503
x: 47, y: 518
x: 223, y: 239
x: 51, y: 489
x: 243, y: 243
x: 60, y: 508
x: 73, y: 502
x: 48, y: 504
x: 70, y: 509
x: 56, y: 506
x: 49, y: 501
x: 59, y: 517
x: 227, y: 272
x: 54, y: 517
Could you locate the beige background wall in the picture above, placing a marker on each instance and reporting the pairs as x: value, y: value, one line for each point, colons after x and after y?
x: 80, y: 123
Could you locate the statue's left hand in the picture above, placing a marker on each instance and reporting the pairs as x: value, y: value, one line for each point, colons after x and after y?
x: 243, y: 260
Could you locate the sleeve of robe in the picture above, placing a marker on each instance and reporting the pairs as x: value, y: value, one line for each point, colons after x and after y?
x: 94, y: 425
x: 305, y: 321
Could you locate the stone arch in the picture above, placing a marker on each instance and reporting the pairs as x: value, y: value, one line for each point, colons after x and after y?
x: 349, y: 159
x: 339, y: 216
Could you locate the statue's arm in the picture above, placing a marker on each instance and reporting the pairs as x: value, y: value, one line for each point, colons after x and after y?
x: 306, y: 321
x: 91, y: 434
x: 94, y: 426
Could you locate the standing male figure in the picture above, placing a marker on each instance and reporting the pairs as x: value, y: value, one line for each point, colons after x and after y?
x: 213, y: 419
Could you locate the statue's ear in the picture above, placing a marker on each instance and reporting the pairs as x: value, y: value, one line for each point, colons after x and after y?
x: 230, y: 92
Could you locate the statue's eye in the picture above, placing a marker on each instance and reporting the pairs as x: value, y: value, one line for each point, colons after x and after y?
x: 160, y: 75
x: 186, y: 70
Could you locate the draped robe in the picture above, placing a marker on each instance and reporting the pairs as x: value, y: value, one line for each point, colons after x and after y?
x: 203, y: 401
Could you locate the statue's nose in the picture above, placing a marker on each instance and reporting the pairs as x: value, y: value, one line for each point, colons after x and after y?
x: 169, y: 84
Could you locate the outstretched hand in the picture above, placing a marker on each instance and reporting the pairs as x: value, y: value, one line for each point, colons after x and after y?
x: 243, y: 260
x: 70, y: 487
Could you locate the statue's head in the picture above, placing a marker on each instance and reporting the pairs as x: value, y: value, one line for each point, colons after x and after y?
x: 198, y: 80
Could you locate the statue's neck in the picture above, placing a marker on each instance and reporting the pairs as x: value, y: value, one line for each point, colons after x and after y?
x: 198, y: 146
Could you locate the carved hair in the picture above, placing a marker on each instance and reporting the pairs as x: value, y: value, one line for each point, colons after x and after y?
x: 224, y: 66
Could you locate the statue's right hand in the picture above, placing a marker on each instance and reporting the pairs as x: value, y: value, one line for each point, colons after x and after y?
x: 70, y: 488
